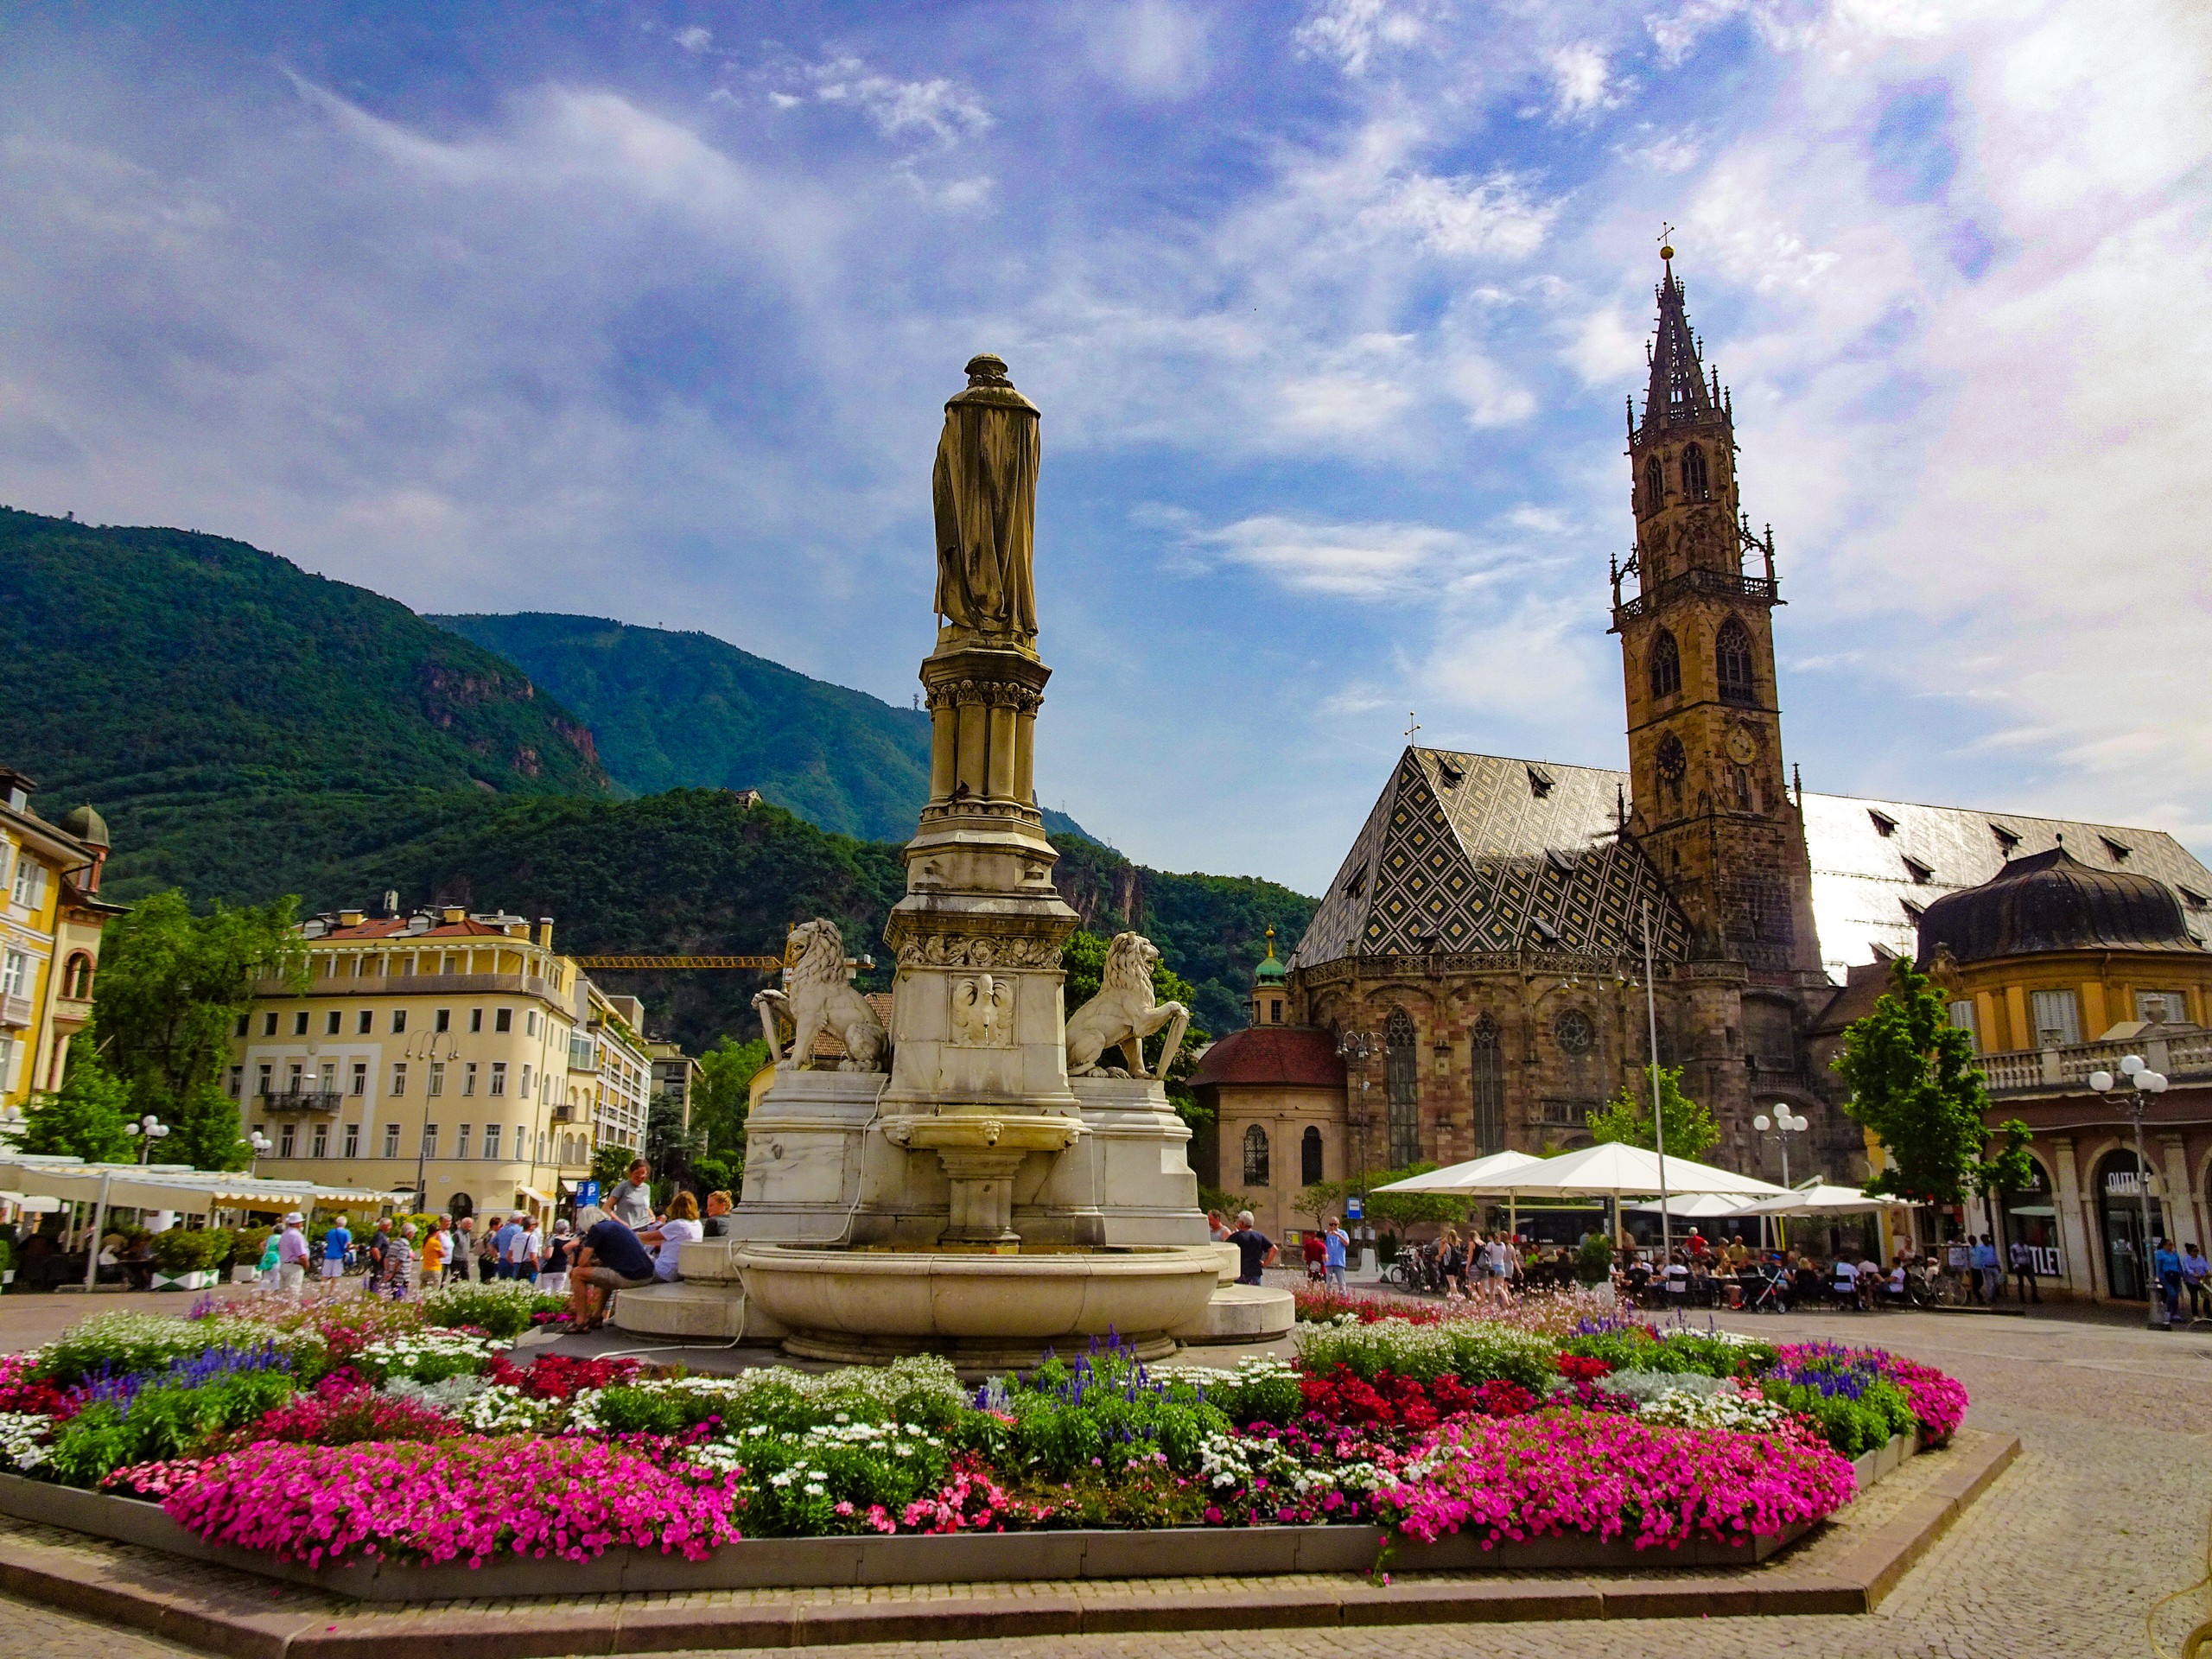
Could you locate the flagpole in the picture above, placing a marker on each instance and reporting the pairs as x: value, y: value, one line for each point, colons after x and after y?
x: 1658, y: 1113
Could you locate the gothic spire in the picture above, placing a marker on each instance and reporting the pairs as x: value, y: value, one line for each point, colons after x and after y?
x: 1677, y: 394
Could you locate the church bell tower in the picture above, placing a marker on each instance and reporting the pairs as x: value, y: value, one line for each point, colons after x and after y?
x: 1711, y: 806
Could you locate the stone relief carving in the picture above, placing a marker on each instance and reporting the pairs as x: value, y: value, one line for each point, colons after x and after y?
x: 983, y: 1012
x: 816, y: 997
x: 970, y: 950
x: 1123, y: 1015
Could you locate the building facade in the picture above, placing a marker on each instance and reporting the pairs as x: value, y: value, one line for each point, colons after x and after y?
x: 2060, y: 971
x: 51, y: 915
x: 675, y: 1073
x: 453, y: 1055
x: 1505, y: 936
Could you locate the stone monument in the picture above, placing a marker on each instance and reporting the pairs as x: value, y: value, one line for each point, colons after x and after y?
x: 949, y: 1186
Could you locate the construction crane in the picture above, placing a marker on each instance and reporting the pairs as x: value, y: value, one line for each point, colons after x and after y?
x: 642, y: 963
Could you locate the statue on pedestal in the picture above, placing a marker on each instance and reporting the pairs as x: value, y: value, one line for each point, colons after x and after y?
x: 984, y: 490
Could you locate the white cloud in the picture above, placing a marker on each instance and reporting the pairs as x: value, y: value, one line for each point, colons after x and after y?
x: 1677, y: 31
x: 694, y: 38
x: 1356, y: 32
x: 1582, y: 81
x: 1465, y: 217
x: 936, y: 106
x: 1371, y: 561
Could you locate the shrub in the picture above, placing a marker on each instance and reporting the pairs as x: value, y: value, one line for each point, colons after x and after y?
x: 502, y: 1308
x: 1852, y: 1424
x: 343, y: 1417
x: 835, y: 1477
x: 1474, y: 1350
x: 186, y: 1249
x: 1068, y: 1417
x: 161, y: 1420
x: 1640, y: 1348
x: 1594, y: 1260
x: 425, y: 1355
x: 1260, y: 1390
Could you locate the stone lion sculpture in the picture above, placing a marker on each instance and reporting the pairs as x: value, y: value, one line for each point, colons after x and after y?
x: 1123, y: 1015
x: 816, y: 997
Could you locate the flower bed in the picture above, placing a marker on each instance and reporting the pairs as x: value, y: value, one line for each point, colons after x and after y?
x: 328, y: 1430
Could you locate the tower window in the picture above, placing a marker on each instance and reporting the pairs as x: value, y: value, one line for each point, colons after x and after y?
x: 2119, y: 850
x: 1694, y: 485
x: 2006, y: 841
x: 1666, y: 665
x: 1540, y: 782
x: 1884, y: 825
x: 1921, y: 874
x: 1731, y: 650
x: 1654, y: 485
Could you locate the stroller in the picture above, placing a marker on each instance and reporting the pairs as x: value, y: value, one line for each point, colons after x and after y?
x: 1770, y: 1290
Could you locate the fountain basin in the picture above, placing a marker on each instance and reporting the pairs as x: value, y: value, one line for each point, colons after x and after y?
x: 983, y: 1311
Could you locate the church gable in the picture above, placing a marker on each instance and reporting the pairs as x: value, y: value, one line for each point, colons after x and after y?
x: 1480, y: 855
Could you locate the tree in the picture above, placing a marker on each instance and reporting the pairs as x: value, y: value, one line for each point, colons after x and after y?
x: 84, y: 1119
x: 170, y: 986
x: 722, y: 1093
x: 670, y: 1146
x: 1915, y: 1082
x: 609, y: 1164
x: 1327, y: 1199
x: 1626, y: 1118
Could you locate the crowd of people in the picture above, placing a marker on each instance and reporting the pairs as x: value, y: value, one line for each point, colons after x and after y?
x: 625, y: 1245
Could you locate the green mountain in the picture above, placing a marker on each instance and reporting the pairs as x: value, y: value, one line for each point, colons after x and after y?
x: 250, y: 730
x: 157, y: 668
x: 687, y: 710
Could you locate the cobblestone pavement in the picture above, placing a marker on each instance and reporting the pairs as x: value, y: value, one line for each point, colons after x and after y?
x: 2105, y: 1511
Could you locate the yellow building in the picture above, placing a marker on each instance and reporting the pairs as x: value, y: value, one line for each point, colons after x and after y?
x: 50, y: 920
x: 454, y: 1054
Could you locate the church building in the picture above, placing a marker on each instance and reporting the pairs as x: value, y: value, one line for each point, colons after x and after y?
x: 1478, y: 965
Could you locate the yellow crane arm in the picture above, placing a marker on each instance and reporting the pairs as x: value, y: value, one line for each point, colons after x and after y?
x: 636, y: 962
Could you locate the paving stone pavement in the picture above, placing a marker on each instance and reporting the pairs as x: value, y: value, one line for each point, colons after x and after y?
x: 2105, y: 1511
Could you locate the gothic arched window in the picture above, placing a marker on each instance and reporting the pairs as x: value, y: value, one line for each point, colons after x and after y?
x: 1666, y: 665
x: 1402, y: 1073
x: 1255, y: 1156
x: 1489, y: 1088
x: 1694, y: 485
x: 1654, y: 485
x: 1731, y: 651
x: 1309, y: 1157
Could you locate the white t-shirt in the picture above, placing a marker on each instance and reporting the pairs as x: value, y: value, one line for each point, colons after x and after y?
x: 674, y: 1234
x: 1843, y: 1272
x: 1500, y: 1263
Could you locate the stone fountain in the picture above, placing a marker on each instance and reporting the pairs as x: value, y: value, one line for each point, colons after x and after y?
x: 978, y: 1180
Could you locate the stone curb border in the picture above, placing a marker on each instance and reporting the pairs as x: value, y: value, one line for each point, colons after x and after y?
x: 144, y: 1595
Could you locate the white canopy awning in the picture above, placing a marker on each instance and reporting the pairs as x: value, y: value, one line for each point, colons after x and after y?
x: 1614, y: 1171
x: 1694, y: 1206
x: 1470, y: 1179
x: 37, y: 1204
x: 1821, y: 1198
x: 171, y: 1186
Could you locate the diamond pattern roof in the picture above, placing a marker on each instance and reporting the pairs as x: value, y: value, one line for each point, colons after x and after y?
x: 1483, y: 853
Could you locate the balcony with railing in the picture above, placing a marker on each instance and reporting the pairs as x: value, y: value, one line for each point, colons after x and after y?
x: 16, y: 1011
x: 1723, y: 584
x: 2180, y: 1055
x: 301, y: 1100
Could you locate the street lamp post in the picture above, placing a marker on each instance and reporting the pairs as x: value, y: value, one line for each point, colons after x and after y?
x: 147, y: 1129
x: 1780, y: 1127
x: 260, y: 1143
x: 2145, y: 1082
x: 1355, y: 1048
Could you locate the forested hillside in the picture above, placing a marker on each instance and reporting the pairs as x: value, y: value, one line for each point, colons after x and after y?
x: 250, y: 730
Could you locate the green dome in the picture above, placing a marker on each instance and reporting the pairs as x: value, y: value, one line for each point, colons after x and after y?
x: 1270, y: 971
x: 87, y: 826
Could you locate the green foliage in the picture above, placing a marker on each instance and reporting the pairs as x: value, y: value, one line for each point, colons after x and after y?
x: 720, y: 1093
x: 1064, y: 1416
x: 170, y: 986
x: 1594, y: 1260
x: 1914, y: 1082
x: 1213, y: 1198
x: 84, y: 1118
x: 159, y: 1421
x: 1853, y: 1428
x: 1213, y: 928
x: 1677, y: 1353
x: 501, y: 1308
x: 609, y: 1165
x: 1626, y: 1118
x: 1474, y: 1350
x: 1401, y: 1209
x: 176, y: 666
x: 191, y: 1250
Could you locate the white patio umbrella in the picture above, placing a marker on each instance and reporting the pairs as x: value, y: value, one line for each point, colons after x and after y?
x: 1477, y: 1178
x: 1821, y: 1198
x: 1694, y: 1206
x: 1613, y: 1170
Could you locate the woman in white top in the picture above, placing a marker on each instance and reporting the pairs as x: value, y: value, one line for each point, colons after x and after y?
x: 681, y: 1228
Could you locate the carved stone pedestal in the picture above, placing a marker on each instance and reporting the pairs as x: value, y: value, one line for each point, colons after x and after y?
x: 980, y: 1155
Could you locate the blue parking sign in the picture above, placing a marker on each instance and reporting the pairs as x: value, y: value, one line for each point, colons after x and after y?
x: 586, y: 1195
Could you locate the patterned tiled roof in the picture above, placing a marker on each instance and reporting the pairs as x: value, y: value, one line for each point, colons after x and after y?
x: 1477, y: 854
x: 1490, y: 856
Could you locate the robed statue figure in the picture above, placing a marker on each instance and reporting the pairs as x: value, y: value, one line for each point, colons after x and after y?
x: 985, y: 491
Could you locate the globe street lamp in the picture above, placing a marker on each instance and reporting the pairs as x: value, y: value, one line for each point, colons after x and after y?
x: 2145, y: 1082
x: 1781, y: 1127
x: 147, y: 1129
x: 261, y: 1144
x: 1355, y: 1048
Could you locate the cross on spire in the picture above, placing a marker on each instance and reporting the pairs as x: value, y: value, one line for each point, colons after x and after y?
x: 1412, y: 726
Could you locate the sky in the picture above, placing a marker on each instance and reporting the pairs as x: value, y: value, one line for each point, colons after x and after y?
x: 649, y: 311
